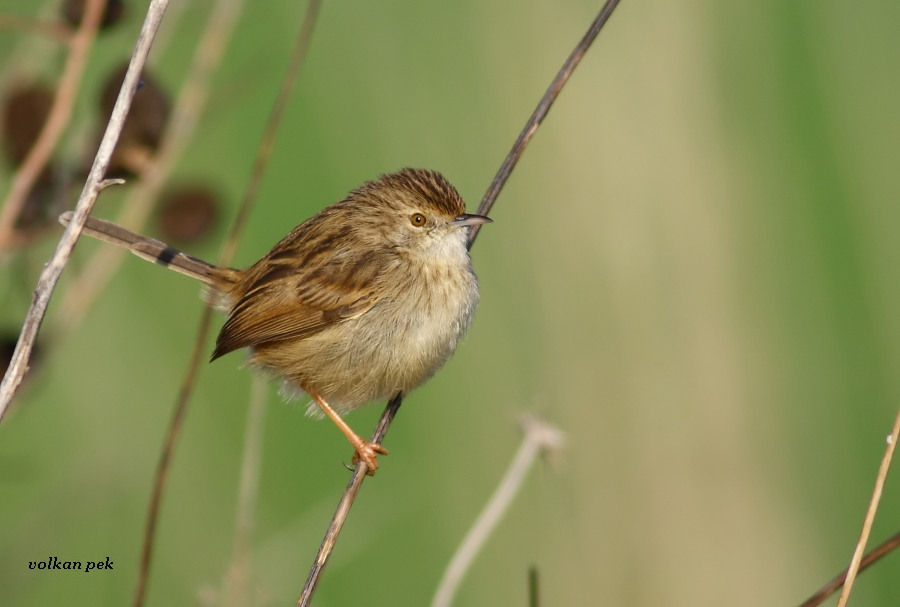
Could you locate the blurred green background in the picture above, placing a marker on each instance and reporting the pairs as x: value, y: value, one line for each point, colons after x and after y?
x: 693, y: 273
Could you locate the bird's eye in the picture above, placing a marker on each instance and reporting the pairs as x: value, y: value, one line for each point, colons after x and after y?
x: 417, y: 219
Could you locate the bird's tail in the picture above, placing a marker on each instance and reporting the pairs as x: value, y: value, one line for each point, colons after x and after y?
x: 154, y: 251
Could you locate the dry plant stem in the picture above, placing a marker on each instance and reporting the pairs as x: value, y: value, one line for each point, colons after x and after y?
x: 268, y: 139
x: 189, y: 106
x: 539, y: 437
x: 870, y: 513
x: 343, y: 508
x: 165, y: 458
x: 534, y: 591
x: 228, y: 249
x: 236, y: 587
x: 52, y: 270
x: 540, y: 113
x: 190, y: 103
x: 57, y: 120
x: 889, y: 545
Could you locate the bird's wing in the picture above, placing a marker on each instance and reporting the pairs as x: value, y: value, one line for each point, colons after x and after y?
x: 285, y: 297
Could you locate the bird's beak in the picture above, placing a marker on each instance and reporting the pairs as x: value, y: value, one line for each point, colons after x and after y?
x: 469, y: 219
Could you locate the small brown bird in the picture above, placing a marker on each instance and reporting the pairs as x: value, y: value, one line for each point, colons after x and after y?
x: 364, y: 301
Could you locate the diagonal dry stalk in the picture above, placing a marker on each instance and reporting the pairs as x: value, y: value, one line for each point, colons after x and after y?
x: 60, y: 112
x: 539, y: 437
x: 343, y: 508
x: 162, y: 467
x: 197, y: 355
x: 540, y: 112
x: 509, y: 163
x: 883, y: 549
x: 92, y: 187
x: 869, y: 519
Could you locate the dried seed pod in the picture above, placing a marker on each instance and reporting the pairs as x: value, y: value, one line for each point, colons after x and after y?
x: 25, y: 111
x: 188, y: 213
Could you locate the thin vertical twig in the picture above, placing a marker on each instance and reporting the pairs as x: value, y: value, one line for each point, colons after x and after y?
x: 228, y: 248
x: 539, y: 437
x: 57, y: 120
x: 869, y: 519
x: 534, y: 589
x: 93, y: 185
x: 165, y: 458
x: 191, y: 100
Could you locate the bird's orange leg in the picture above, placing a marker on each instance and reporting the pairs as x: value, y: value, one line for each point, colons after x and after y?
x: 365, y: 450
